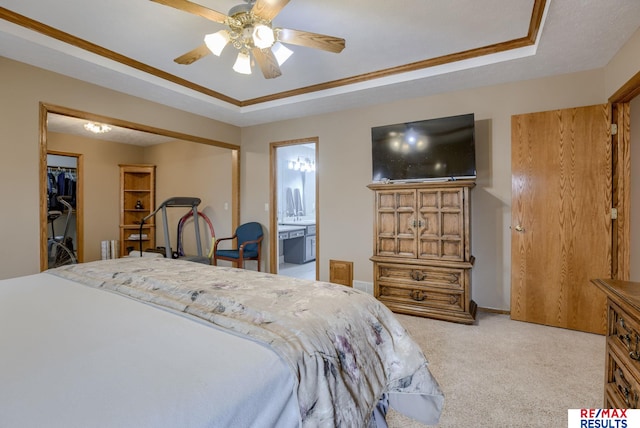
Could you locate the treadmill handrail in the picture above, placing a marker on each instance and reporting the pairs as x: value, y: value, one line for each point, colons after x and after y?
x: 176, y: 201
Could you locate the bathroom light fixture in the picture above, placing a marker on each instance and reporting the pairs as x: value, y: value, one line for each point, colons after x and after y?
x: 97, y: 128
x: 304, y: 165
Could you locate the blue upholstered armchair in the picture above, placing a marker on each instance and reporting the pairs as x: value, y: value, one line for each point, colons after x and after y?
x: 249, y: 237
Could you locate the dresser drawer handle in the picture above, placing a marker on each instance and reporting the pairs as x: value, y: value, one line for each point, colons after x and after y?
x: 418, y: 295
x: 625, y: 390
x: 416, y: 275
x: 418, y: 223
x: 625, y: 334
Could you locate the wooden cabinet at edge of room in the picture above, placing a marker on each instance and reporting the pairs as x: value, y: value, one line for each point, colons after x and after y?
x: 137, y: 200
x: 622, y: 358
x: 422, y: 243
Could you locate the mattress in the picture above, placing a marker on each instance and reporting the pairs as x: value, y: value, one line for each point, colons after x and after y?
x: 74, y: 356
x: 157, y: 342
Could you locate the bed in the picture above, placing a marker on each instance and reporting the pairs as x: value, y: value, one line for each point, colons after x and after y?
x: 155, y: 342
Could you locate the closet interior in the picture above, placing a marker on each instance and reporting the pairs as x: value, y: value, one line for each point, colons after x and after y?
x: 62, y: 176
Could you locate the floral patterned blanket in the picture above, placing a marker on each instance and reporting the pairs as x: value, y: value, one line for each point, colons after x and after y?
x: 344, y: 348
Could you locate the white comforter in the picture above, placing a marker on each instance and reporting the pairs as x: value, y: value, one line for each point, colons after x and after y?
x: 73, y: 356
x: 342, y: 348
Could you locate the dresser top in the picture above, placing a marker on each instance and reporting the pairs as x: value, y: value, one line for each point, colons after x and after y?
x: 626, y: 291
x: 399, y: 185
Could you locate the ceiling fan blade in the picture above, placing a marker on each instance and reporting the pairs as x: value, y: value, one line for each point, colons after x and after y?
x: 194, y: 55
x: 311, y: 40
x: 195, y: 9
x: 268, y: 9
x: 267, y: 62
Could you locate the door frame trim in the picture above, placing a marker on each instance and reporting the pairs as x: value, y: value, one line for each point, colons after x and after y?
x: 621, y: 198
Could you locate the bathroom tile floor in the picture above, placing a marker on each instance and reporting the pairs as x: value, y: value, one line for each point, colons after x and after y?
x: 305, y: 271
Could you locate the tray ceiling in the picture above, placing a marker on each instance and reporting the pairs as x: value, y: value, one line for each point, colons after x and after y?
x: 393, y: 49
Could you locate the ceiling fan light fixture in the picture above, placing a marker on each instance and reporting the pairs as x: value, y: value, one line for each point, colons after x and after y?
x: 263, y: 36
x: 281, y: 52
x: 243, y: 63
x: 217, y: 41
x: 250, y: 30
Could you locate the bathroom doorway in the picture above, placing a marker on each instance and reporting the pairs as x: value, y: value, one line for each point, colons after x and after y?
x: 294, y: 212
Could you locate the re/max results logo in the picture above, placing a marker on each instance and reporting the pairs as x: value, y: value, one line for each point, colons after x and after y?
x: 603, y: 418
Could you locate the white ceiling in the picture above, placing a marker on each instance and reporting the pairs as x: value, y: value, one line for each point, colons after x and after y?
x: 63, y: 124
x: 574, y: 35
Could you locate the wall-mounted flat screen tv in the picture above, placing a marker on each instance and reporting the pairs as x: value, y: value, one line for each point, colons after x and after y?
x: 433, y: 149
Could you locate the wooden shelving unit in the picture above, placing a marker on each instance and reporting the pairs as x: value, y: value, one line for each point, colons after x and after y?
x: 137, y: 200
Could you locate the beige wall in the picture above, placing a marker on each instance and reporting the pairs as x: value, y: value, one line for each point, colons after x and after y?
x: 346, y: 205
x: 623, y: 66
x: 194, y: 170
x: 344, y: 163
x: 23, y: 88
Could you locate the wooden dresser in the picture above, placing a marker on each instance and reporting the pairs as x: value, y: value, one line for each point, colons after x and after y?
x: 622, y: 366
x: 422, y: 262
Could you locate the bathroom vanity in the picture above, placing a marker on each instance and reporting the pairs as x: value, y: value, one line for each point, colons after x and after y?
x: 298, y: 240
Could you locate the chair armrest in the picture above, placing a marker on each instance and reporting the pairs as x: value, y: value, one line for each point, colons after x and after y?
x: 222, y: 239
x: 255, y: 241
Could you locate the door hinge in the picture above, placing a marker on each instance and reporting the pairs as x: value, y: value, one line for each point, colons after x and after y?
x: 614, y: 213
x: 614, y: 129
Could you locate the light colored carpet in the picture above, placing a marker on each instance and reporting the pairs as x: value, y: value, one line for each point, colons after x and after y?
x: 504, y: 373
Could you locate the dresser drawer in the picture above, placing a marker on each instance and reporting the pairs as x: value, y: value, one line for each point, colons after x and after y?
x: 621, y: 386
x: 623, y: 332
x: 422, y: 276
x: 420, y: 295
x: 612, y: 399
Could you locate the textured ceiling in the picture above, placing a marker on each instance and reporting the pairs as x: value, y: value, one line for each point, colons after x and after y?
x: 392, y: 49
x: 63, y: 124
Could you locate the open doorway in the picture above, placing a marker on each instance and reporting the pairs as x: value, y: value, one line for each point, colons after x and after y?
x: 294, y: 212
x: 98, y: 190
x: 63, y: 208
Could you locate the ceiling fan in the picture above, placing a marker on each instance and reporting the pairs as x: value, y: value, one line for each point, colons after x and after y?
x: 250, y: 31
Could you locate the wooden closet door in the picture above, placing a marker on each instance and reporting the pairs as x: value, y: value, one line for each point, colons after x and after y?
x: 561, y: 216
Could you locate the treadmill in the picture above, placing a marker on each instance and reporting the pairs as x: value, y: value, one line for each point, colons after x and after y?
x: 179, y: 202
